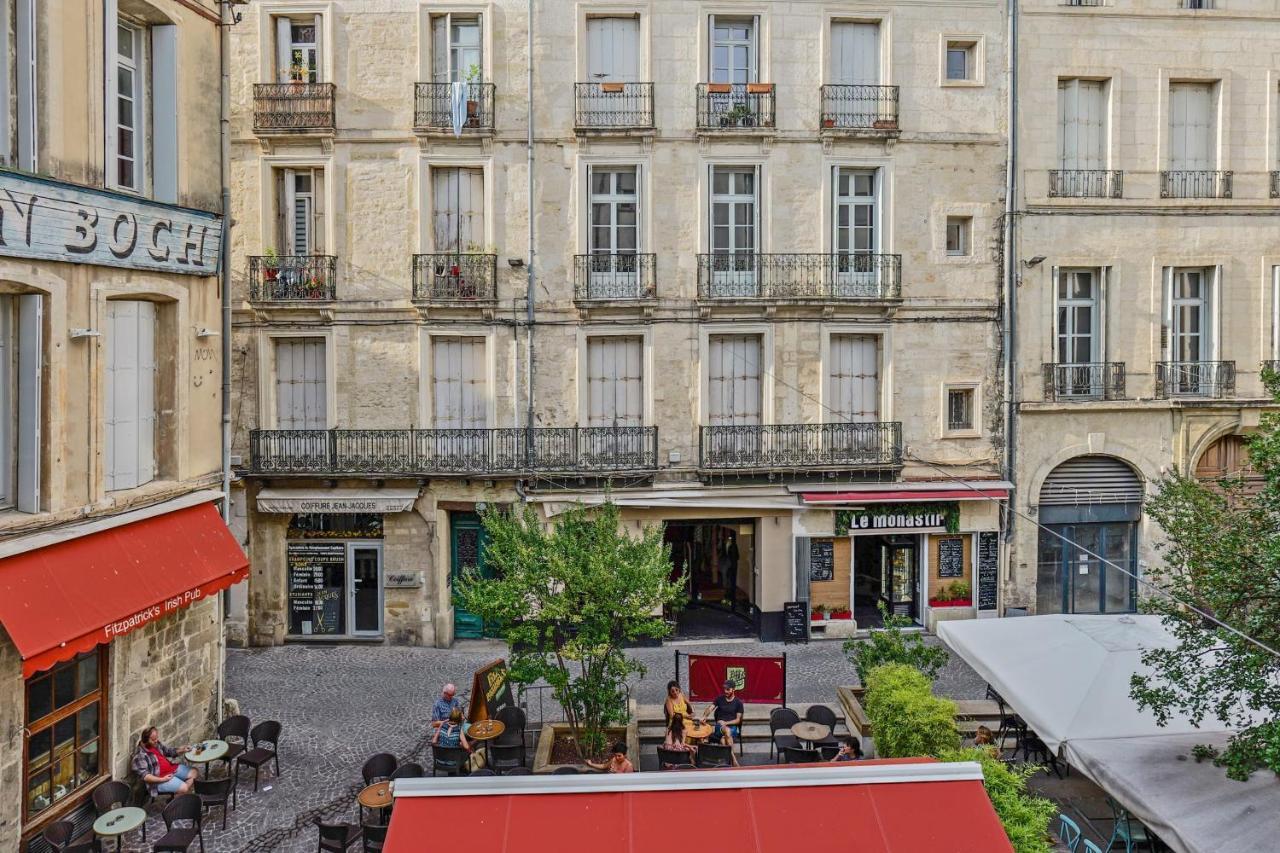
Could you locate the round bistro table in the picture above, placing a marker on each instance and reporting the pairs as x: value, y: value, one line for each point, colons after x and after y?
x: 376, y: 797
x: 809, y: 732
x: 486, y: 730
x: 698, y: 731
x: 117, y: 822
x: 213, y: 751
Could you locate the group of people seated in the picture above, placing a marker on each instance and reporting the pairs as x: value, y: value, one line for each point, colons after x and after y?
x: 446, y: 719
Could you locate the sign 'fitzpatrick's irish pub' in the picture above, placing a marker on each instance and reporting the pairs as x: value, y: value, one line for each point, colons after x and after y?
x: 54, y: 221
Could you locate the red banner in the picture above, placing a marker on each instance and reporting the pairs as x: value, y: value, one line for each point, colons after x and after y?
x: 759, y: 680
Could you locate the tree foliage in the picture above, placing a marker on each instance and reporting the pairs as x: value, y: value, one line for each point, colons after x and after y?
x: 1025, y: 817
x: 894, y: 644
x: 906, y: 718
x: 568, y: 600
x: 1222, y: 555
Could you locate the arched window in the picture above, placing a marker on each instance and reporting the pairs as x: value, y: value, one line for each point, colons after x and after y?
x: 1229, y: 457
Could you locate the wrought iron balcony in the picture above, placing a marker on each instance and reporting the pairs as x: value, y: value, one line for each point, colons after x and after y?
x: 860, y: 107
x: 1196, y: 183
x: 1213, y: 380
x: 776, y: 446
x: 1086, y: 183
x: 822, y: 277
x: 601, y: 277
x: 293, y: 278
x: 433, y: 107
x: 1275, y: 184
x: 581, y: 450
x: 735, y: 106
x: 1101, y: 380
x: 1271, y: 364
x: 453, y: 277
x: 292, y: 107
x: 613, y: 106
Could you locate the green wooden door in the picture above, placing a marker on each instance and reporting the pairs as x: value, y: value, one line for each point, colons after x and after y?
x: 466, y: 552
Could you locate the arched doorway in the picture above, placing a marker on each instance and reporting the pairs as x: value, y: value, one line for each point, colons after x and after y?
x: 1229, y: 457
x: 1090, y: 506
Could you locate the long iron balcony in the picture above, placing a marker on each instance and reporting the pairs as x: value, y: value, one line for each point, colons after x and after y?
x: 1086, y: 183
x: 613, y: 277
x: 1213, y: 380
x: 1101, y: 380
x: 835, y: 277
x: 1195, y: 183
x: 455, y: 278
x: 613, y: 106
x: 293, y: 278
x: 335, y: 452
x: 293, y: 107
x: 433, y: 107
x: 801, y: 446
x: 860, y: 107
x: 735, y: 106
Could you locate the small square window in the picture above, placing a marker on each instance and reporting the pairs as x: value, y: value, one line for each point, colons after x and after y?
x: 959, y: 230
x: 960, y: 409
x: 960, y: 60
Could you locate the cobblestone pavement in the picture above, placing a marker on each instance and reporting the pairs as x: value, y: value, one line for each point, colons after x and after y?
x: 340, y: 704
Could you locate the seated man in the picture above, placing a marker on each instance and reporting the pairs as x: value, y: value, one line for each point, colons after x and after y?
x: 445, y: 705
x: 154, y: 765
x: 728, y: 714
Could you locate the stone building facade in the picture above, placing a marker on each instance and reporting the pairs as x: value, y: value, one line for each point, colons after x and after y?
x: 110, y: 395
x: 763, y: 245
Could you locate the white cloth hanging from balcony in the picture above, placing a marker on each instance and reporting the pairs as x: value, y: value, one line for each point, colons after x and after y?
x: 458, y: 105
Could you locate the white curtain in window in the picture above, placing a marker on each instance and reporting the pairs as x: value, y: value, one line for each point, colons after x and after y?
x: 301, y: 386
x: 131, y: 394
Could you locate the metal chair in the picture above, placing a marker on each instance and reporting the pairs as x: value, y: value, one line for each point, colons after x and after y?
x: 824, y: 716
x: 505, y: 758
x: 1069, y: 832
x: 1126, y: 829
x: 1009, y: 722
x: 714, y: 755
x: 373, y: 836
x: 379, y: 768
x: 780, y: 722
x: 515, y: 721
x: 796, y: 755
x: 214, y: 793
x: 409, y: 770
x: 337, y: 837
x: 450, y: 759
x: 829, y: 751
x: 59, y: 834
x: 263, y: 733
x: 674, y: 759
x: 1090, y: 847
x: 184, y: 808
x: 235, y: 731
x: 1032, y: 745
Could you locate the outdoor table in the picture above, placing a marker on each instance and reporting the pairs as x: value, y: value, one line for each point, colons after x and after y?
x: 213, y: 750
x: 808, y: 732
x: 697, y: 731
x: 486, y: 730
x: 376, y: 797
x: 117, y: 822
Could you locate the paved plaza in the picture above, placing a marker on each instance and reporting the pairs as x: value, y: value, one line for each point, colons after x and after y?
x: 341, y: 704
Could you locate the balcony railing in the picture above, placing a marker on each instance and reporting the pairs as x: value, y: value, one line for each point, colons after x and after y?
x: 735, y: 106
x: 1195, y: 184
x: 293, y: 107
x: 1086, y: 183
x: 433, y: 107
x: 1275, y: 184
x: 1271, y: 364
x: 1209, y: 379
x: 293, y: 278
x: 613, y: 277
x: 832, y: 277
x: 450, y: 277
x: 585, y: 450
x: 1102, y: 380
x: 859, y: 107
x: 845, y: 445
x: 613, y: 106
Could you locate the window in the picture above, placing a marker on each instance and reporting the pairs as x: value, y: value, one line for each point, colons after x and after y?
x: 1079, y: 319
x: 613, y: 50
x: 856, y: 216
x: 734, y: 380
x: 457, y: 201
x: 615, y: 381
x: 734, y: 49
x: 298, y: 49
x: 301, y: 387
x: 961, y: 61
x: 1192, y: 127
x: 1275, y: 317
x: 66, y: 712
x: 455, y: 49
x: 301, y: 211
x: 959, y: 230
x: 128, y: 168
x: 1189, y: 305
x: 25, y: 83
x: 615, y: 206
x: 960, y: 414
x: 1082, y: 124
x: 853, y: 377
x: 21, y: 353
x: 733, y: 209
x: 459, y: 388
x: 335, y: 586
x: 131, y: 394
x: 855, y: 53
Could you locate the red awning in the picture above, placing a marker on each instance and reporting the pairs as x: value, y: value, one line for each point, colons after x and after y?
x: 59, y: 601
x: 903, y: 496
x: 914, y: 806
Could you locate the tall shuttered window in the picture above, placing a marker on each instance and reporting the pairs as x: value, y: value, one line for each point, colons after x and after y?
x: 459, y: 384
x: 131, y: 394
x: 734, y: 383
x: 298, y: 49
x: 457, y: 215
x: 1192, y: 127
x: 615, y: 381
x: 301, y: 384
x: 853, y: 377
x: 1082, y: 124
x: 21, y: 375
x: 301, y: 211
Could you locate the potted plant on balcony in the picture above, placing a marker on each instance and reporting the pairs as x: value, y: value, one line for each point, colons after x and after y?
x: 841, y: 613
x: 885, y: 124
x: 270, y: 264
x: 315, y: 287
x: 297, y: 75
x: 738, y: 116
x: 828, y: 123
x: 819, y: 613
x: 473, y: 105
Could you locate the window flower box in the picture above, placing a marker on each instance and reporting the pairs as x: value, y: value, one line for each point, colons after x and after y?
x: 951, y: 602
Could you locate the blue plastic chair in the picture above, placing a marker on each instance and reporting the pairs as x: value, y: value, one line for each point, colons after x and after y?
x: 1126, y: 829
x: 1090, y: 847
x: 1069, y: 832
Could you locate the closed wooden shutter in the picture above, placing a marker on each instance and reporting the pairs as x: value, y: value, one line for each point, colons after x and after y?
x: 131, y: 394
x: 615, y: 382
x: 459, y: 385
x: 1191, y: 127
x: 301, y: 384
x: 30, y: 364
x: 855, y: 53
x: 854, y: 377
x: 26, y: 84
x: 733, y: 380
x: 457, y: 197
x: 1082, y: 124
x: 1091, y: 480
x: 613, y: 49
x: 284, y: 54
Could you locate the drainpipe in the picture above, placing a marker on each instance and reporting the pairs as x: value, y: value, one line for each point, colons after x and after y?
x: 1011, y: 266
x: 224, y: 285
x: 529, y: 289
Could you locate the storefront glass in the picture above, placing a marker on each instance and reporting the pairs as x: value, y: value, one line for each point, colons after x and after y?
x: 1087, y: 568
x: 335, y: 575
x: 65, y: 708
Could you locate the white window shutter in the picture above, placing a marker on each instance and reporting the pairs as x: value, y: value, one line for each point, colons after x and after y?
x: 446, y: 382
x: 1166, y: 324
x: 615, y: 381
x: 317, y: 235
x: 145, y: 454
x: 110, y: 50
x: 319, y: 25
x: 30, y: 368
x: 123, y: 394
x: 301, y: 388
x: 440, y: 49
x: 26, y: 83
x: 284, y: 54
x: 164, y: 111
x: 854, y: 378
x: 734, y: 380
x: 475, y: 397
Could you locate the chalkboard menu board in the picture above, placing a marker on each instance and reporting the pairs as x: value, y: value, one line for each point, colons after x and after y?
x: 988, y: 569
x: 822, y: 560
x: 951, y: 558
x: 317, y: 575
x: 795, y: 622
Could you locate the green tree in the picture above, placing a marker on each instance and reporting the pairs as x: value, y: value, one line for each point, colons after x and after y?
x: 895, y: 644
x: 907, y: 720
x: 569, y: 598
x: 1025, y: 817
x: 1221, y: 555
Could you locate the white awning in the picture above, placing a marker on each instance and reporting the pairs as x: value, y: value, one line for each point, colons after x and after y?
x: 336, y: 500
